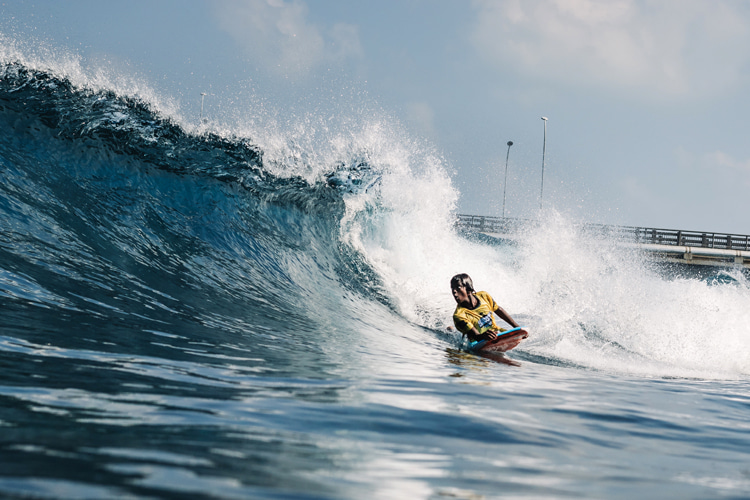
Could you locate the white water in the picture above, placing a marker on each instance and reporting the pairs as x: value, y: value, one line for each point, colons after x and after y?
x: 587, y: 302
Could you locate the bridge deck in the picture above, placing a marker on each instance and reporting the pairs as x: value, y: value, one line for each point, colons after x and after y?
x: 688, y: 247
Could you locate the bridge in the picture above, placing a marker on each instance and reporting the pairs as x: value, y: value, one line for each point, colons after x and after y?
x: 671, y: 245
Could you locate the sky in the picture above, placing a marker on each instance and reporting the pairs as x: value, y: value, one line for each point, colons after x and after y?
x: 645, y: 100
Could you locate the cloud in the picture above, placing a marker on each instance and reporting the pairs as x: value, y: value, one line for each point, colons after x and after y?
x: 664, y: 48
x: 278, y: 35
x: 724, y: 160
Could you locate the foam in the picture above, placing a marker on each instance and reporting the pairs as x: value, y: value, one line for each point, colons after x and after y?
x: 586, y: 301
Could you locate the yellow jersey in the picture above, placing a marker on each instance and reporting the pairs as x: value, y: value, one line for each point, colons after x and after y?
x: 480, y: 317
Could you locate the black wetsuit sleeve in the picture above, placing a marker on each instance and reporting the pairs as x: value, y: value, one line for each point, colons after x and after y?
x: 461, y: 325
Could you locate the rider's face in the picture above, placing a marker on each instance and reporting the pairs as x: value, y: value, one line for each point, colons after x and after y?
x: 460, y: 294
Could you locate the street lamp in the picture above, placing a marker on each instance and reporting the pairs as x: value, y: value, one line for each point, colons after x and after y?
x: 203, y: 95
x: 544, y: 152
x: 505, y: 183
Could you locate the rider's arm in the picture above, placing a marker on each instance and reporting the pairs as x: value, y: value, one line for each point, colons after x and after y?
x: 506, y: 317
x: 475, y: 335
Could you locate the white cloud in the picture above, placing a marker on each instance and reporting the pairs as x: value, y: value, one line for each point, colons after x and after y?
x: 722, y: 159
x: 664, y: 48
x: 278, y: 35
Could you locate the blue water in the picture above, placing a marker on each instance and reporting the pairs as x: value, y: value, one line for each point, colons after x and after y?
x: 196, y: 311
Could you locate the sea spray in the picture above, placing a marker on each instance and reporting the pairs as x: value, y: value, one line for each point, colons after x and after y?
x: 603, y: 305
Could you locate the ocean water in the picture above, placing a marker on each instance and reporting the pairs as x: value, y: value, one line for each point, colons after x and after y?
x: 198, y: 311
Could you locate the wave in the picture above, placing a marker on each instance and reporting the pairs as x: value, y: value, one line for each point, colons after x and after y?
x: 105, y: 201
x: 119, y: 219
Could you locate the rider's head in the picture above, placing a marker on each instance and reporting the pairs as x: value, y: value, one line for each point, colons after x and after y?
x: 462, y: 280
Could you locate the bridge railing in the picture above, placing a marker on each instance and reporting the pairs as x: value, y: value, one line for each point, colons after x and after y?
x: 484, y: 224
x: 649, y: 235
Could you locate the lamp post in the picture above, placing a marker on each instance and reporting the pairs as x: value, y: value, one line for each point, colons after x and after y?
x: 505, y: 183
x: 203, y: 95
x: 544, y: 152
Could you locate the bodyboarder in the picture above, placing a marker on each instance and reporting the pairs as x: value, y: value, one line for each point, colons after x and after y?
x: 473, y: 315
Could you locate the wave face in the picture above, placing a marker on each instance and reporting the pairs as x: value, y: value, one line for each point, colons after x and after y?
x: 117, y: 215
x: 191, y: 311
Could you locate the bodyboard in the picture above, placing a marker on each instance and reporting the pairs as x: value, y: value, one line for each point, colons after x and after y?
x: 505, y: 341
